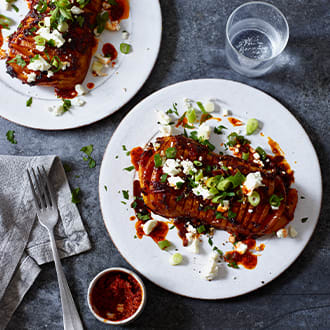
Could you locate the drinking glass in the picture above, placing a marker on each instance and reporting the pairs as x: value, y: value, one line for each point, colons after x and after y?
x: 256, y: 34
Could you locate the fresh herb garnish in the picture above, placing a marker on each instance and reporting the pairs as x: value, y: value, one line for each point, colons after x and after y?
x: 19, y: 61
x: 201, y: 106
x: 210, y: 241
x: 105, y: 188
x: 88, y: 151
x: 29, y: 102
x: 143, y: 217
x: 163, y: 178
x: 170, y: 153
x: 261, y: 152
x: 101, y: 21
x: 11, y: 137
x: 158, y: 160
x: 75, y: 196
x: 275, y: 200
x: 233, y: 264
x: 218, y: 130
x: 218, y: 250
x: 125, y: 194
x: 201, y: 229
x: 174, y: 110
x: 129, y: 169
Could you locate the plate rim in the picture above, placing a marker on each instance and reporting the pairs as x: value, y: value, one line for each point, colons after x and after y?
x: 288, y: 112
x: 134, y: 93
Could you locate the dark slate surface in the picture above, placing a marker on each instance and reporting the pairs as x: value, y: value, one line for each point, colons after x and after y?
x: 192, y: 47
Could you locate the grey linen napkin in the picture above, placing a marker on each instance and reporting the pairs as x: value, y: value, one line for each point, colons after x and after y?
x: 24, y: 243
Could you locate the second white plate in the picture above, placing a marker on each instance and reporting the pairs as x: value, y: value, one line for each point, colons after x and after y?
x: 109, y: 94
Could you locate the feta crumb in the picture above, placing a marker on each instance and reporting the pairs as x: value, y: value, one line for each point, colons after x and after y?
x: 174, y: 180
x: 57, y: 109
x: 76, y: 10
x: 256, y: 155
x: 282, y: 233
x: 194, y: 246
x: 125, y: 35
x: 165, y: 130
x: 292, y: 232
x: 188, y: 167
x: 55, y: 35
x: 149, y: 226
x: 50, y: 74
x: 171, y: 167
x: 204, y: 131
x: 31, y: 77
x: 78, y: 102
x: 226, y: 112
x: 163, y: 118
x: 241, y: 247
x: 209, y: 107
x: 210, y: 270
x: 62, y: 27
x: 40, y: 48
x: 80, y: 89
x: 201, y: 191
x: 275, y: 207
x: 252, y: 182
x: 39, y: 64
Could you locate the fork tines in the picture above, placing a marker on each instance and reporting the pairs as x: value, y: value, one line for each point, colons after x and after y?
x: 43, y: 196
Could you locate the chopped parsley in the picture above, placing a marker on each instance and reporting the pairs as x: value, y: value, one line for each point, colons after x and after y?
x: 174, y: 110
x: 210, y: 241
x: 143, y: 217
x: 29, y: 102
x: 201, y: 229
x: 233, y: 264
x: 11, y: 137
x: 19, y: 60
x: 129, y: 169
x: 75, y: 196
x: 163, y: 178
x: 158, y: 160
x: 125, y: 194
x: 170, y: 152
x: 105, y: 188
x: 88, y: 151
x: 303, y: 220
x: 218, y: 130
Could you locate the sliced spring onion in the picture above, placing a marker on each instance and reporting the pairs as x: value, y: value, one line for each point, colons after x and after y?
x: 212, y: 182
x: 237, y: 179
x: 170, y: 152
x: 262, y: 153
x: 251, y: 126
x: 158, y: 160
x: 201, y: 229
x: 254, y: 198
x: 191, y: 115
x: 163, y: 178
x: 213, y: 190
x: 164, y: 244
x: 199, y: 175
x: 245, y: 155
x: 224, y: 184
x: 176, y: 259
x: 275, y: 200
x: 125, y: 48
x: 198, y: 163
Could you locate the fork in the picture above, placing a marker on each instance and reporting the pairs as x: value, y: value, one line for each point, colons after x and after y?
x: 47, y: 213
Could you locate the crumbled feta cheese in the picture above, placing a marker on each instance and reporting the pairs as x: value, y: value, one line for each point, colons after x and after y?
x: 201, y: 191
x: 204, y: 131
x: 125, y: 35
x: 292, y: 232
x: 163, y: 118
x: 80, y: 89
x: 282, y: 233
x: 252, y: 182
x: 209, y: 107
x: 194, y: 246
x: 149, y: 226
x: 165, y: 130
x: 78, y: 102
x: 188, y: 166
x: 39, y: 64
x: 256, y: 155
x: 55, y: 35
x: 50, y: 74
x: 57, y: 109
x: 275, y: 207
x: 31, y: 77
x: 174, y: 180
x: 76, y: 10
x: 171, y: 167
x: 40, y: 48
x: 241, y: 247
x: 210, y: 270
x: 47, y: 21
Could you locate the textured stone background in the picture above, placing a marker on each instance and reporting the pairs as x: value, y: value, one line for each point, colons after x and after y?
x: 192, y: 47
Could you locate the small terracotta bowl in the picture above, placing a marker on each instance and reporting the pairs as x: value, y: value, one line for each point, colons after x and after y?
x: 130, y: 318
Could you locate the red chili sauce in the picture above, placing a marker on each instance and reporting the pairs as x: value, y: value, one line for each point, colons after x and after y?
x: 66, y: 93
x: 109, y: 51
x: 248, y: 260
x: 1, y: 37
x: 90, y: 85
x: 135, y: 156
x: 119, y: 11
x: 234, y: 121
x: 116, y: 296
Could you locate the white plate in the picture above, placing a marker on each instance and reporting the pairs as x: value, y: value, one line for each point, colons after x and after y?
x: 139, y: 126
x: 110, y: 93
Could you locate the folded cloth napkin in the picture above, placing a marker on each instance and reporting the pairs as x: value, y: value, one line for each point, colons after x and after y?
x: 24, y: 243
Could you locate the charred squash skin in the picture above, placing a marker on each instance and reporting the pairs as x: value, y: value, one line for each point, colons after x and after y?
x: 249, y: 222
x: 78, y: 52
